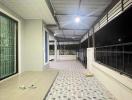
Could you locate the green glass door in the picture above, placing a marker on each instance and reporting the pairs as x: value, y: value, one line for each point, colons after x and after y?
x: 8, y: 30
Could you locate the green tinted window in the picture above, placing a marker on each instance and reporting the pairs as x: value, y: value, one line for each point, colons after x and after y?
x: 7, y: 46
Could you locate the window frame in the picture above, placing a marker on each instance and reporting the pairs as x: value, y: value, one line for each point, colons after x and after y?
x: 17, y: 67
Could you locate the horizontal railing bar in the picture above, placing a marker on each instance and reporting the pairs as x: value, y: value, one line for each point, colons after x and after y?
x: 115, y: 45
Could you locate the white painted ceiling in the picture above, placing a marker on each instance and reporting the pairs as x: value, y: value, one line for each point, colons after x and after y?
x: 30, y: 9
x: 66, y: 11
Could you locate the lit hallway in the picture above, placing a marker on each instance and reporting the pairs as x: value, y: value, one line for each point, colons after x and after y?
x: 65, y: 49
x: 72, y: 84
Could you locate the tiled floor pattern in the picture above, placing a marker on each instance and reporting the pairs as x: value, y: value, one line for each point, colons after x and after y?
x: 67, y: 65
x: 73, y: 85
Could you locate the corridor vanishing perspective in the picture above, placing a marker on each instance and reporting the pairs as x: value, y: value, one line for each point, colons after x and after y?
x: 72, y: 84
x: 65, y: 49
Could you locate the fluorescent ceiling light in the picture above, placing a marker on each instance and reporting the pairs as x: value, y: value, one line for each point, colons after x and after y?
x: 73, y: 37
x: 77, y: 19
x: 55, y: 34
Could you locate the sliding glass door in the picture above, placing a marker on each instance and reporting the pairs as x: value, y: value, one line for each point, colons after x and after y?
x: 8, y: 45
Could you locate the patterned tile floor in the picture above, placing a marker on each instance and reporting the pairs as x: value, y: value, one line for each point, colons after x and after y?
x: 71, y: 84
x: 67, y: 65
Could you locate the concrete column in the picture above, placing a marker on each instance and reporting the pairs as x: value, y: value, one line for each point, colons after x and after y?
x: 55, y: 49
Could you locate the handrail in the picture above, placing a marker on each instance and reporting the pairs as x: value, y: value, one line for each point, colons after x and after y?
x: 121, y: 44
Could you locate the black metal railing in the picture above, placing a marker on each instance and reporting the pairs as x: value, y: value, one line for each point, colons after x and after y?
x: 118, y: 57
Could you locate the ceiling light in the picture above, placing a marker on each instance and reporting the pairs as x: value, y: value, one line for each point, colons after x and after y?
x: 55, y: 34
x: 77, y: 19
x: 73, y: 37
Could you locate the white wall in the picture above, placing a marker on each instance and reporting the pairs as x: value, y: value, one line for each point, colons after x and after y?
x: 20, y: 20
x: 33, y: 45
x: 90, y: 58
x: 119, y: 85
x: 51, y: 38
x: 30, y: 41
x: 65, y: 57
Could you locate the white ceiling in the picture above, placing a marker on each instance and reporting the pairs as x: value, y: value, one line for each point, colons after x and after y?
x: 68, y: 22
x: 67, y: 10
x: 30, y: 9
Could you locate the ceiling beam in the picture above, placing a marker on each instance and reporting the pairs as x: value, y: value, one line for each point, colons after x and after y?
x: 51, y: 10
x: 51, y: 25
x: 80, y: 1
x: 72, y: 29
x: 57, y: 14
x: 67, y: 39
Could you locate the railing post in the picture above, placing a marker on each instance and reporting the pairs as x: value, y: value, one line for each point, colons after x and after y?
x: 122, y: 6
x: 123, y: 60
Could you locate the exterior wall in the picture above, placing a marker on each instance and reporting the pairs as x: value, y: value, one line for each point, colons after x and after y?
x: 51, y: 38
x: 30, y: 41
x: 90, y: 58
x: 66, y: 57
x: 33, y: 45
x: 119, y: 85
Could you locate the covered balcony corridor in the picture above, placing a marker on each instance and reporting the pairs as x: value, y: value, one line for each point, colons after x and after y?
x: 65, y: 49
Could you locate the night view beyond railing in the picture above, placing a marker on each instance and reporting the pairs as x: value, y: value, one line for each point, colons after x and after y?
x: 118, y: 57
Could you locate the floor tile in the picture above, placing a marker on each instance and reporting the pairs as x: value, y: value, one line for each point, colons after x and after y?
x: 72, y: 84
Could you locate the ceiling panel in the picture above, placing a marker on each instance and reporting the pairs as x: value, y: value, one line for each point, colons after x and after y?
x: 30, y: 9
x: 67, y: 10
x: 93, y: 7
x: 69, y: 22
x: 60, y: 35
x: 80, y: 32
x: 65, y: 6
x: 68, y: 32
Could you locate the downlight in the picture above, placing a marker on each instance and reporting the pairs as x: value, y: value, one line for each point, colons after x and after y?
x: 55, y: 34
x: 77, y: 19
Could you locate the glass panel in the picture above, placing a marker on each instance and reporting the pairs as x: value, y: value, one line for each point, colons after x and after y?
x: 128, y: 59
x: 46, y: 47
x: 7, y: 46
